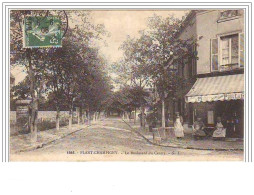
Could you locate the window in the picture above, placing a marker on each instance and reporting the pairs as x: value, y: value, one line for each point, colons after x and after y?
x: 227, y: 52
x: 229, y: 14
x: 193, y: 66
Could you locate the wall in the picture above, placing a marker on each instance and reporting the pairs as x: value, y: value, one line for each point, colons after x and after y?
x: 44, y: 115
x: 209, y: 28
x: 204, y: 25
x: 190, y: 31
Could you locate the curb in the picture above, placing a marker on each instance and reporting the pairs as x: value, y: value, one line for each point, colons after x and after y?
x: 182, y: 147
x: 41, y: 145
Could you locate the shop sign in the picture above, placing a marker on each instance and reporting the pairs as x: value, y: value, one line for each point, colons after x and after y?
x: 22, y: 111
x: 217, y: 97
x: 22, y: 115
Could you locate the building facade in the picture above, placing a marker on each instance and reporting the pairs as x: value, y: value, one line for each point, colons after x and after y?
x: 216, y: 76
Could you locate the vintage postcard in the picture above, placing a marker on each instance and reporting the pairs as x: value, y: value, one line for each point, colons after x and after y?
x: 127, y: 84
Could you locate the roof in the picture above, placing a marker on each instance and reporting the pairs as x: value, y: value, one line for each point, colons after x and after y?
x: 185, y: 22
x: 220, y: 88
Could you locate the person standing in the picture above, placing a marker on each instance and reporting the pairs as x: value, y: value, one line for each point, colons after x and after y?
x: 178, y: 127
x: 168, y: 120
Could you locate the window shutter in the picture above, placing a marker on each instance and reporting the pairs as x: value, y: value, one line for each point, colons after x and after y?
x: 241, y: 49
x: 214, y: 55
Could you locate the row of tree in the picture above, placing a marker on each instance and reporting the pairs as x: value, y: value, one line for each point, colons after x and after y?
x: 73, y: 75
x: 152, y: 60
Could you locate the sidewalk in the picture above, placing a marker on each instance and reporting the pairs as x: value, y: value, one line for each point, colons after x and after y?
x: 22, y: 143
x: 206, y: 144
x: 189, y: 143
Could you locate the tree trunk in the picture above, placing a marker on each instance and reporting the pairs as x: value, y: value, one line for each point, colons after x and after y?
x: 82, y: 113
x: 142, y: 117
x: 173, y: 117
x: 135, y: 115
x: 96, y: 115
x: 83, y: 116
x: 34, y: 103
x: 88, y: 116
x: 124, y: 115
x: 57, y: 118
x: 78, y: 114
x: 70, y: 117
x: 34, y: 120
x: 163, y: 121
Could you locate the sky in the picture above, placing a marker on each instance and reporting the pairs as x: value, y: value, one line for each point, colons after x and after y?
x: 119, y: 24
x: 122, y: 23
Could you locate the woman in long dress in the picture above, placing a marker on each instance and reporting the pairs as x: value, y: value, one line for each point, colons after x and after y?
x: 220, y: 131
x: 198, y: 129
x: 178, y: 127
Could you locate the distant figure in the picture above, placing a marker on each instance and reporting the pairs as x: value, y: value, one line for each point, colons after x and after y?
x: 152, y: 121
x: 198, y: 128
x: 168, y: 120
x: 220, y: 131
x: 178, y: 127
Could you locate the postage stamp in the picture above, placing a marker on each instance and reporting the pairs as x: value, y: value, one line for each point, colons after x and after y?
x: 42, y: 31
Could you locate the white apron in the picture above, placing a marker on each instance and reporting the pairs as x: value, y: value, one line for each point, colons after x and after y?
x: 178, y: 128
x: 220, y: 131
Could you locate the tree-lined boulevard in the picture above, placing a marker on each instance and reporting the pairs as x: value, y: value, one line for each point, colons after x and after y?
x: 113, y: 139
x: 76, y: 77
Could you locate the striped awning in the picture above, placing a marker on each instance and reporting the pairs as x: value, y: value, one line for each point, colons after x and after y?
x: 220, y: 88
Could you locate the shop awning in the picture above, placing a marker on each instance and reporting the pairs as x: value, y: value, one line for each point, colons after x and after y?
x: 220, y: 88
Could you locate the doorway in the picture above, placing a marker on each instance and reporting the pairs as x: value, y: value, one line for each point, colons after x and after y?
x: 232, y: 113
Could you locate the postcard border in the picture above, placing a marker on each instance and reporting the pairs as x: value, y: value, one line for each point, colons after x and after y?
x: 7, y: 6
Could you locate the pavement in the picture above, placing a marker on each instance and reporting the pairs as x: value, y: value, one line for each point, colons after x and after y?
x: 187, y: 142
x: 109, y: 139
x: 23, y: 143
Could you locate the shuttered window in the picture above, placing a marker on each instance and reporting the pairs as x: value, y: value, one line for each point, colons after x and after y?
x: 214, y: 55
x: 227, y: 52
x: 241, y: 49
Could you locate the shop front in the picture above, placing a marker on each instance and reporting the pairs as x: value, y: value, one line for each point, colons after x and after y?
x: 221, y: 96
